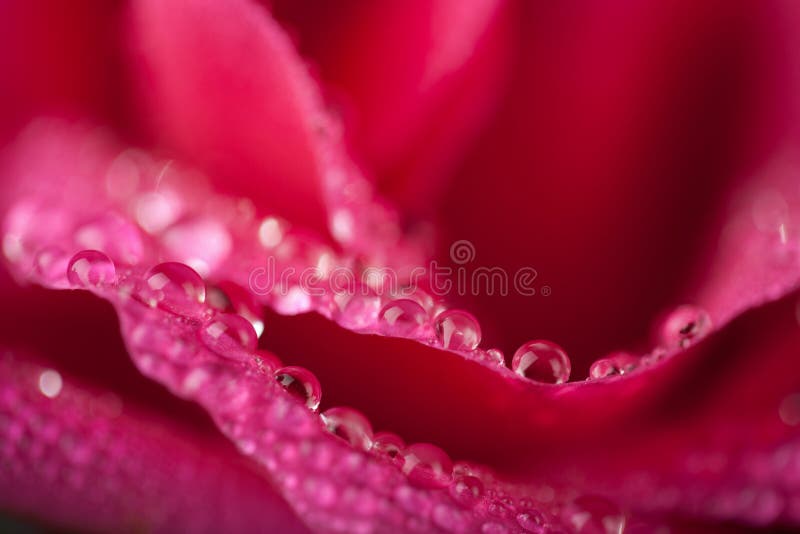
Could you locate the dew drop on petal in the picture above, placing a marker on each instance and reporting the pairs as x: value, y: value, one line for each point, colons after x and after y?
x: 401, y: 317
x: 594, y: 515
x: 268, y: 361
x: 90, y: 268
x: 532, y: 521
x: 232, y: 298
x: 457, y: 330
x: 618, y: 363
x: 174, y: 287
x: 466, y: 490
x: 542, y: 361
x: 427, y: 465
x: 360, y: 312
x: 684, y: 326
x: 496, y: 356
x: 350, y: 425
x: 301, y: 383
x: 389, y: 446
x: 227, y: 334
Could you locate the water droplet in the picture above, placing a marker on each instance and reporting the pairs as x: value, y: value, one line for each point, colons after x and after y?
x: 532, y: 521
x: 174, y: 287
x: 360, y: 312
x: 594, y: 515
x: 497, y: 356
x: 618, y: 363
x: 457, y: 330
x: 390, y: 446
x: 684, y: 326
x: 427, y: 465
x: 301, y: 383
x: 466, y: 490
x: 268, y: 361
x: 232, y: 298
x: 542, y: 361
x: 402, y: 317
x: 227, y: 334
x: 350, y: 425
x: 91, y: 268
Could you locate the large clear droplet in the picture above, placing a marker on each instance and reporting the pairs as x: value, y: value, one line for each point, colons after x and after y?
x: 466, y: 490
x: 390, y: 446
x: 174, y: 287
x: 230, y: 297
x: 457, y: 330
x: 684, y: 326
x: 617, y: 363
x: 542, y: 361
x: 594, y: 515
x: 350, y: 425
x: 229, y: 335
x: 427, y: 465
x: 91, y: 268
x: 301, y: 383
x: 402, y: 317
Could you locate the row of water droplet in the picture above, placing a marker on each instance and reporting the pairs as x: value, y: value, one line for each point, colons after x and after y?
x: 177, y: 289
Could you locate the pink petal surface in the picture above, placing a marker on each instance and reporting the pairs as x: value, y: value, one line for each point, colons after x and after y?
x: 535, y: 430
x: 72, y: 457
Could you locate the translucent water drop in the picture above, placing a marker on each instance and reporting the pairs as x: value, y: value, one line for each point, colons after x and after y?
x: 174, y: 287
x: 685, y: 325
x: 457, y: 330
x: 427, y: 465
x: 233, y: 298
x: 389, y: 446
x: 91, y: 268
x: 350, y: 425
x: 402, y: 317
x: 594, y: 515
x: 542, y: 361
x: 268, y: 361
x: 618, y: 363
x: 496, y: 356
x: 301, y: 383
x: 532, y: 521
x: 360, y: 312
x: 466, y: 490
x: 228, y: 334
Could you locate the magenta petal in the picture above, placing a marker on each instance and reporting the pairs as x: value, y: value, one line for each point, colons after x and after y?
x: 81, y: 460
x: 414, y: 79
x: 222, y: 86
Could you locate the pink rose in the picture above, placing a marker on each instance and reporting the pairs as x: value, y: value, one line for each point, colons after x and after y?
x: 257, y: 259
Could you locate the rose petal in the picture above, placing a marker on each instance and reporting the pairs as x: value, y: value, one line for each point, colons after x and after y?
x: 415, y: 81
x: 75, y: 458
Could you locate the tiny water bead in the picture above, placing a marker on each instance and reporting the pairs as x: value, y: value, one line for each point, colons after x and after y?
x: 427, y: 465
x: 497, y: 356
x: 174, y: 287
x: 590, y: 514
x: 466, y: 490
x: 360, y: 312
x: 389, y: 446
x: 457, y: 330
x: 228, y: 334
x: 350, y: 425
x: 532, y: 521
x: 618, y: 363
x: 90, y: 268
x: 684, y: 326
x: 402, y: 317
x: 542, y: 361
x: 300, y: 383
x: 232, y: 298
